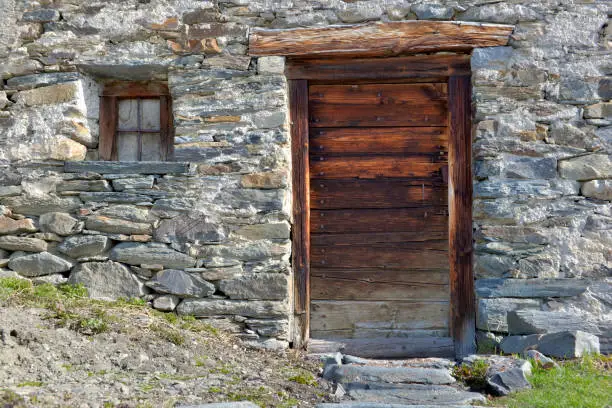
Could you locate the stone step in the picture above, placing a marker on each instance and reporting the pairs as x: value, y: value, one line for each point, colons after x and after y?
x: 432, y: 362
x: 353, y: 373
x: 381, y: 405
x: 411, y: 394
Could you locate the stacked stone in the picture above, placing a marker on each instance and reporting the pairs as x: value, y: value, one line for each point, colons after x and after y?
x: 542, y: 149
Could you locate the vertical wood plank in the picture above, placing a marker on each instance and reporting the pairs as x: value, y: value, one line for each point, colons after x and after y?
x: 463, y: 308
x: 108, y: 128
x: 298, y: 111
x: 165, y: 132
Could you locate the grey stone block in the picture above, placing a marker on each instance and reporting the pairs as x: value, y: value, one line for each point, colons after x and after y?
x: 358, y: 373
x: 530, y: 288
x: 60, y: 223
x: 42, y: 263
x: 221, y: 307
x: 13, y: 243
x: 84, y: 246
x: 107, y: 280
x: 539, y: 321
x: 518, y: 344
x: 37, y: 80
x: 176, y: 282
x: 491, y: 313
x: 266, y: 286
x: 137, y: 254
x: 568, y: 344
x: 108, y: 167
x: 41, y: 15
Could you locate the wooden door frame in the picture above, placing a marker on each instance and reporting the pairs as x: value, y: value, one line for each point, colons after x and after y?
x: 455, y: 70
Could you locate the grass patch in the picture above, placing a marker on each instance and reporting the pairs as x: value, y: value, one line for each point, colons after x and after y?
x: 168, y: 333
x: 304, y: 377
x: 473, y: 375
x: 585, y: 383
x: 31, y: 384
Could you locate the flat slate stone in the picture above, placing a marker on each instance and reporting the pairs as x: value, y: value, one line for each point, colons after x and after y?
x: 107, y: 280
x: 237, y: 404
x: 540, y: 321
x: 109, y: 167
x: 39, y: 264
x: 175, y: 282
x: 412, y: 394
x: 530, y: 288
x: 359, y: 373
x: 81, y: 246
x: 223, y: 307
x: 138, y: 254
x: 357, y: 404
x: 568, y: 344
x: 12, y: 243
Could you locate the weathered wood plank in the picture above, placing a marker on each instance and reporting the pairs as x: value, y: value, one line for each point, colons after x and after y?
x: 351, y: 287
x: 377, y: 94
x: 386, y: 347
x: 108, y: 128
x: 130, y: 89
x: 422, y: 276
x: 410, y: 255
x: 463, y: 309
x: 432, y: 113
x: 403, y: 140
x: 368, y: 167
x: 298, y: 111
x: 378, y: 39
x: 385, y: 193
x: 428, y: 221
x: 385, y: 69
x: 404, y: 315
x: 366, y: 333
x: 362, y: 238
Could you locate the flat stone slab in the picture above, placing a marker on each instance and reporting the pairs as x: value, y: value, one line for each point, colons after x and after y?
x: 238, y: 404
x: 432, y: 362
x: 412, y: 394
x: 379, y: 405
x: 109, y: 167
x: 358, y: 373
x: 529, y: 288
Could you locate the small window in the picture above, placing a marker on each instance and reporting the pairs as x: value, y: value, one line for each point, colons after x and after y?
x: 136, y: 122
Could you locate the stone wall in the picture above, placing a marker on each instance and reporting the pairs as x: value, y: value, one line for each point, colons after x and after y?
x: 211, y: 232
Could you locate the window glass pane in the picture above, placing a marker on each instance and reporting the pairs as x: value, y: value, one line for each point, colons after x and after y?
x: 151, y: 147
x: 150, y: 114
x: 127, y: 146
x: 128, y: 114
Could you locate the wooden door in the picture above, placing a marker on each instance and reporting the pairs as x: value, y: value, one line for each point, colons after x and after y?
x: 374, y: 273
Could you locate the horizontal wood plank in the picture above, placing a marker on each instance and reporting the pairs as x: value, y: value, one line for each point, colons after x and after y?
x: 354, y: 287
x: 378, y: 39
x: 385, y: 193
x: 428, y: 221
x: 411, y: 255
x: 361, y: 238
x: 385, y: 140
x: 405, y: 315
x: 414, y: 67
x: 378, y: 347
x: 408, y: 276
x: 365, y: 333
x: 368, y: 167
x: 129, y: 89
x: 377, y: 94
x: 338, y: 115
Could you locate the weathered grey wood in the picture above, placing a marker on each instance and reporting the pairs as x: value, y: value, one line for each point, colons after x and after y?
x: 378, y: 39
x: 109, y: 167
x: 337, y: 315
x: 530, y: 288
x: 386, y: 348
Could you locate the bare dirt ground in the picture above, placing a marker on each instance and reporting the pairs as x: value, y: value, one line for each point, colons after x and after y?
x: 79, y: 353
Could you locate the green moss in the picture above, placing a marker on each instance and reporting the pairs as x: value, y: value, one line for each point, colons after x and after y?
x: 304, y: 377
x: 168, y: 333
x: 472, y: 375
x: 31, y: 384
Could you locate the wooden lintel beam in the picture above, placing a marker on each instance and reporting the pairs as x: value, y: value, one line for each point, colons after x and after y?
x: 378, y: 39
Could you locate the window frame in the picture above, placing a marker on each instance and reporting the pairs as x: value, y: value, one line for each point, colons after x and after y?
x: 112, y: 93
